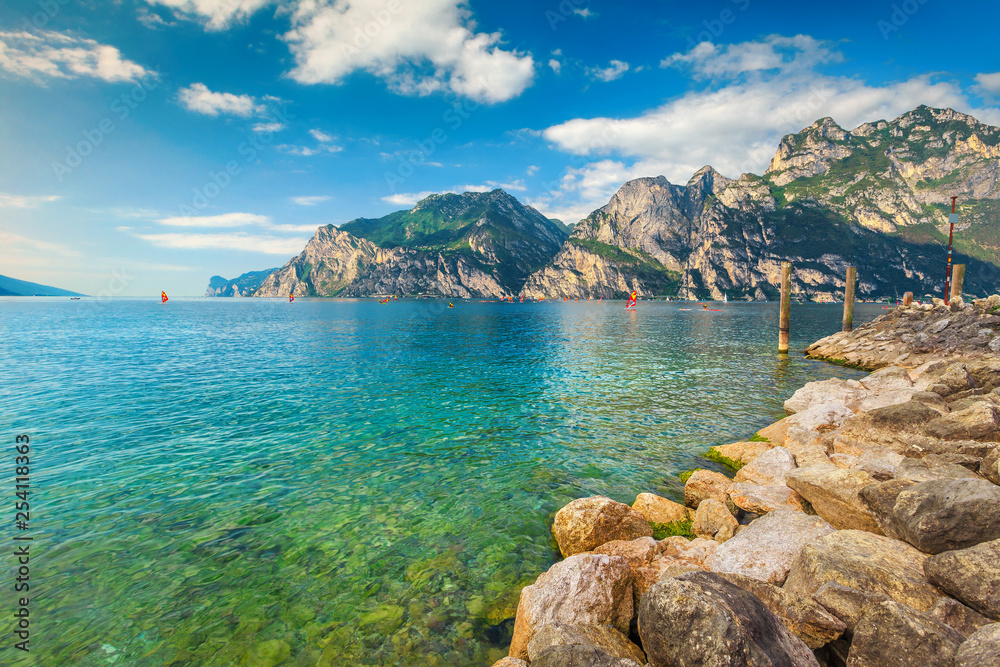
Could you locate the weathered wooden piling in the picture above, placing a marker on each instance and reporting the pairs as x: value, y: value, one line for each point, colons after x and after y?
x: 852, y: 275
x: 908, y: 298
x: 957, y: 277
x: 786, y: 307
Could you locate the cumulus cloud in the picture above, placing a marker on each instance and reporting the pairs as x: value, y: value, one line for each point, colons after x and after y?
x: 418, y: 48
x: 773, y: 53
x: 555, y: 65
x: 24, y: 201
x: 199, y: 99
x: 988, y: 85
x: 268, y: 127
x: 733, y: 125
x: 614, y: 71
x: 223, y: 220
x: 45, y: 54
x: 214, y: 14
x: 263, y: 243
x: 321, y: 136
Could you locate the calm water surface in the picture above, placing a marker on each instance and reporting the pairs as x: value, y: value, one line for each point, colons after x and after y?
x: 223, y: 482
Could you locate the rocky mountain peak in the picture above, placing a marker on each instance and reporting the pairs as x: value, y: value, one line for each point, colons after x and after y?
x: 708, y: 181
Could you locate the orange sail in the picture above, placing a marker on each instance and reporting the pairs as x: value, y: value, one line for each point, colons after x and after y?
x: 631, y: 300
x: 291, y: 297
x: 163, y: 297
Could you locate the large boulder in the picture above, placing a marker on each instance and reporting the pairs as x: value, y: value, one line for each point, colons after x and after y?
x: 884, y: 427
x: 990, y: 467
x: 953, y: 613
x: 585, y: 589
x: 985, y: 374
x: 714, y: 521
x: 869, y: 563
x: 970, y: 575
x: 510, y: 662
x: 982, y: 649
x: 646, y: 575
x: 894, y: 635
x: 579, y: 655
x: 980, y: 421
x: 807, y: 428
x: 766, y: 549
x: 880, y: 500
x: 890, y: 378
x: 700, y: 619
x: 704, y: 484
x: 845, y: 392
x: 928, y: 469
x: 946, y: 379
x: 948, y: 514
x: 834, y: 494
x: 806, y: 619
x: 608, y: 640
x: 763, y: 499
x: 737, y: 454
x: 696, y: 551
x: 880, y: 463
x: 769, y: 468
x: 637, y: 552
x: 590, y: 522
x: 660, y: 510
x: 846, y: 603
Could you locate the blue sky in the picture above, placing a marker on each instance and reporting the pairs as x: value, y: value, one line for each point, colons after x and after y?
x: 149, y: 144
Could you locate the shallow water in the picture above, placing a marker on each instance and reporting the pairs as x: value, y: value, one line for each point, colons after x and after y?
x: 239, y: 481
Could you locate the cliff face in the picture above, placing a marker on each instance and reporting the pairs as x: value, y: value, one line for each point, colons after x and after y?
x: 875, y: 198
x: 470, y: 245
x: 245, y: 285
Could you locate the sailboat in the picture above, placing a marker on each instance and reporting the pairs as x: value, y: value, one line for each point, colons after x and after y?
x: 725, y: 297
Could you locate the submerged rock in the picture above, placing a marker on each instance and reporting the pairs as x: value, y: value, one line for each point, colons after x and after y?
x: 586, y: 523
x: 700, y: 619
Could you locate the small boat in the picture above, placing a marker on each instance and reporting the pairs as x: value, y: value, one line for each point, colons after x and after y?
x: 74, y: 298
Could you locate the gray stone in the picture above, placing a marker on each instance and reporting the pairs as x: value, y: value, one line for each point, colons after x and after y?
x: 977, y: 422
x: 880, y: 499
x: 970, y: 575
x: 887, y: 379
x: 834, y: 494
x: 928, y: 469
x: 579, y: 655
x: 847, y: 603
x: 701, y: 620
x: 948, y: 514
x: 768, y: 469
x: 990, y: 467
x: 884, y: 427
x: 982, y: 649
x: 951, y: 379
x: 893, y: 635
x: 605, y: 638
x: 953, y: 613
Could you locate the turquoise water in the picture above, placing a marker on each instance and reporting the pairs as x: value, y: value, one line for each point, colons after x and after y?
x: 222, y: 482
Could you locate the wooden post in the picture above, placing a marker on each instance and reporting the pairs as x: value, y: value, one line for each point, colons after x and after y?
x: 957, y: 277
x: 786, y: 306
x: 908, y: 299
x: 852, y: 275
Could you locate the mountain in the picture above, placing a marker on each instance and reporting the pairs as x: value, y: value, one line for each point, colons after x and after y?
x: 245, y: 285
x: 876, y: 197
x: 14, y: 287
x: 476, y: 244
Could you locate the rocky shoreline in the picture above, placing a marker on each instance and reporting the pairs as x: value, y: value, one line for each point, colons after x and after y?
x: 861, y: 530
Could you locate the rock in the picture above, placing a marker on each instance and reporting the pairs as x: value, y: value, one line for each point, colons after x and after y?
x: 982, y: 649
x: 866, y: 562
x: 811, y: 456
x: 703, y: 484
x: 990, y: 467
x: 948, y: 514
x: 927, y: 469
x: 967, y: 461
x: 951, y: 378
x: 580, y: 655
x: 763, y: 499
x: 920, y: 446
x: 970, y: 575
x: 846, y: 603
x: 845, y: 460
x: 645, y: 576
x: 931, y: 400
x: 590, y: 522
x: 695, y: 551
x: 585, y: 589
x: 809, y: 427
x: 978, y: 422
x: 880, y: 499
x: 886, y: 427
x: 884, y: 400
x: 893, y: 635
x: 834, y: 390
x: 714, y: 521
x: 834, y: 494
x: 659, y: 510
x: 985, y: 374
x: 608, y: 640
x: 738, y: 453
x: 766, y: 549
x: 767, y: 469
x: 510, y: 662
x: 637, y: 552
x: 880, y: 463
x: 805, y: 619
x: 775, y: 433
x: 954, y: 614
x: 722, y: 625
x: 890, y: 378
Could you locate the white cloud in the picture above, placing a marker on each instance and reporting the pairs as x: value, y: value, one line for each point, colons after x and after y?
x: 310, y: 201
x: 409, y: 198
x: 215, y: 14
x: 23, y: 201
x: 271, y: 245
x: 988, y: 84
x: 614, y: 71
x: 268, y: 127
x: 531, y: 170
x: 26, y: 244
x: 585, y: 12
x: 735, y: 128
x: 426, y: 47
x: 305, y: 151
x: 775, y: 52
x: 555, y: 65
x: 223, y: 220
x: 321, y: 136
x: 152, y: 20
x: 199, y: 99
x: 47, y: 54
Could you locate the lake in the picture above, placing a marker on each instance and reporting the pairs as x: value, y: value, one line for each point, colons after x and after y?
x: 333, y: 482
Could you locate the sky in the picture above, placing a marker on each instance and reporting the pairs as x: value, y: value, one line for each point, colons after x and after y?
x: 147, y: 145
